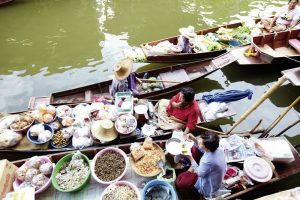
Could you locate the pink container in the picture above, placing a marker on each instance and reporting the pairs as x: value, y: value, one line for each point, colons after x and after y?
x: 136, y: 190
x: 17, y: 182
x: 99, y: 154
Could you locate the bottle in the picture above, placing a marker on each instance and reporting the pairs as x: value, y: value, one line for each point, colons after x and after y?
x: 150, y: 109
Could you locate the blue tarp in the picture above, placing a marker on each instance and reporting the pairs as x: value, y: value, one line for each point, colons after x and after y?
x: 227, y: 96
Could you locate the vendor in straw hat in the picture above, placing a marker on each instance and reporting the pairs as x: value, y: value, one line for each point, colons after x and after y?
x: 186, y: 34
x: 124, y: 80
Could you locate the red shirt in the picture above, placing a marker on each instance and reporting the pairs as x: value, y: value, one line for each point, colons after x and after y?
x: 189, y: 113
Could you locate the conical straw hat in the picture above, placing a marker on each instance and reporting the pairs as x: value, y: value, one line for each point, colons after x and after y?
x: 123, y: 69
x: 103, y: 130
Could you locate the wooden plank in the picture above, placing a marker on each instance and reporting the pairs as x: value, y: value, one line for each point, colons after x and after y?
x: 177, y: 75
x: 88, y: 96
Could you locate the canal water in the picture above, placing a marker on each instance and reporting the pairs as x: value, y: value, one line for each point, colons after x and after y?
x: 52, y: 45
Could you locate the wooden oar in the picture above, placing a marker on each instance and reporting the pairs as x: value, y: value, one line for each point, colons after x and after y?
x: 164, y: 81
x: 277, y: 120
x: 280, y: 81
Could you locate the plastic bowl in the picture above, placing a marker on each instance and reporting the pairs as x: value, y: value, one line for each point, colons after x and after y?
x: 99, y: 154
x: 125, y: 132
x: 136, y: 190
x: 158, y: 182
x: 58, y: 166
x: 17, y: 182
x: 34, y: 140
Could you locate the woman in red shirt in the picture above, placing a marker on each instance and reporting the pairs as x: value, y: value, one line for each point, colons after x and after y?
x: 183, y: 107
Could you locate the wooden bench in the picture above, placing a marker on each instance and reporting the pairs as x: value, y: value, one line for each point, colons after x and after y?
x: 295, y: 43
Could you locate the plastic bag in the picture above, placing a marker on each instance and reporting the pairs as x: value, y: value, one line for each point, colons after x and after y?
x: 9, y: 138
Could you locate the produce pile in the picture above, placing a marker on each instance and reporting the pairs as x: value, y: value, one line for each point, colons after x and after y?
x: 135, y: 54
x: 151, y: 86
x: 223, y: 38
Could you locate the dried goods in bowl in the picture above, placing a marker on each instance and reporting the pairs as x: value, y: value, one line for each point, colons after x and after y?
x: 22, y: 173
x: 78, y: 177
x: 112, y: 167
x: 125, y: 124
x: 22, y: 123
x: 58, y: 141
x: 121, y: 190
x: 146, y: 166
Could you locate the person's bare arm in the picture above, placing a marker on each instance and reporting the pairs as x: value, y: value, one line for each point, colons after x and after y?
x: 271, y: 24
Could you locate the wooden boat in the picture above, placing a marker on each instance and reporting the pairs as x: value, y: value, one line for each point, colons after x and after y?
x: 180, y: 74
x: 184, y: 57
x: 21, y: 152
x: 281, y: 170
x: 282, y: 48
x: 3, y: 2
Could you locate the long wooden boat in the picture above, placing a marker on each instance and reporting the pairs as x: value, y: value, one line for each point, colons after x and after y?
x: 20, y: 151
x: 183, y: 74
x: 282, y: 48
x: 281, y: 172
x: 3, y: 2
x: 184, y: 57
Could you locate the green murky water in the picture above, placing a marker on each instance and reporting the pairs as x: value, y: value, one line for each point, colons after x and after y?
x: 48, y: 46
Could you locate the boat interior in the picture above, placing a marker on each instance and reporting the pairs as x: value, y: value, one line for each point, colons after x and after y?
x: 173, y: 75
x: 174, y: 39
x: 281, y: 44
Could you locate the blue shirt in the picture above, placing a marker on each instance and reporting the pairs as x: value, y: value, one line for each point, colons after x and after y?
x: 210, y: 171
x: 184, y: 43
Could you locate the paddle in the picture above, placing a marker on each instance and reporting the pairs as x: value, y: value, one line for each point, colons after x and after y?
x: 164, y: 81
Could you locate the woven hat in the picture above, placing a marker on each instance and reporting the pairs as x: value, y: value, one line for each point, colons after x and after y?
x: 123, y: 69
x: 188, y: 32
x: 104, y: 131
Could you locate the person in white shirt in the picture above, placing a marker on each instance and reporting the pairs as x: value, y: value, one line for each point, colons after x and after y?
x: 283, y: 18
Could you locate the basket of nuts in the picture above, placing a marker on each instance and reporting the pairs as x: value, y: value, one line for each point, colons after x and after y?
x: 58, y: 141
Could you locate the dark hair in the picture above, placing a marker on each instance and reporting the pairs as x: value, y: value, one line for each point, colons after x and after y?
x: 210, y: 140
x: 188, y: 94
x: 291, y: 0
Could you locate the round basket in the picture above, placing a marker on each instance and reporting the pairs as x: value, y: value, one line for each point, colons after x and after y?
x: 155, y: 172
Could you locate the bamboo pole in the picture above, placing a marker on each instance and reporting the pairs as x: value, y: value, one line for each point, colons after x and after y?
x: 287, y: 128
x: 280, y: 81
x: 164, y: 81
x: 277, y: 120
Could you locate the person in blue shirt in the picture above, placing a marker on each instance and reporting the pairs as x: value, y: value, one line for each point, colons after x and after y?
x: 206, y: 176
x: 186, y: 34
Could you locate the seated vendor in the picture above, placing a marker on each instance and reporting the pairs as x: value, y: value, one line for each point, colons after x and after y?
x: 283, y: 18
x: 186, y: 34
x: 183, y: 107
x: 204, y: 176
x: 124, y: 80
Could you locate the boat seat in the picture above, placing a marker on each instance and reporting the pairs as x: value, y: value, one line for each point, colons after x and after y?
x: 295, y: 43
x: 176, y: 75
